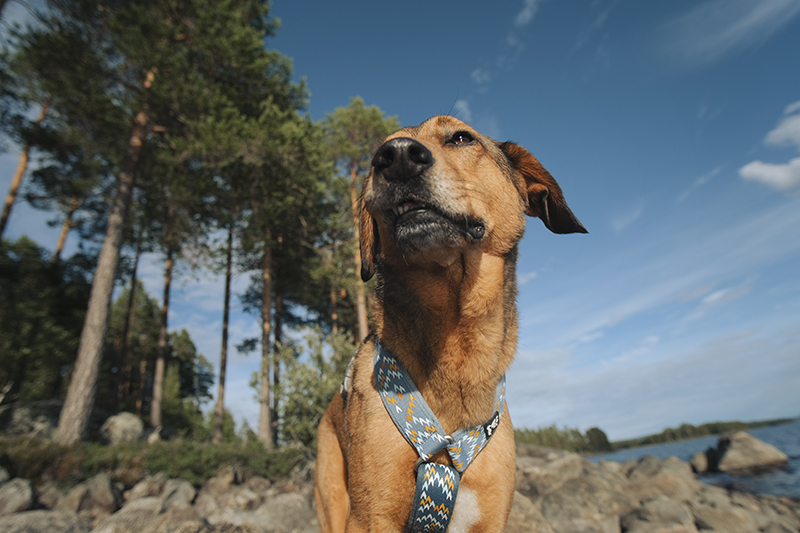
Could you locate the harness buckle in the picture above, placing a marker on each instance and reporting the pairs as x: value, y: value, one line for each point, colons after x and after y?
x: 450, y: 440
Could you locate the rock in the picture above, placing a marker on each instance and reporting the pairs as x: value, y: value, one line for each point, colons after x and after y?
x: 43, y: 522
x: 4, y: 475
x: 48, y: 494
x: 147, y: 515
x: 660, y: 515
x: 93, y: 499
x: 541, y: 470
x: 33, y: 419
x: 652, y: 477
x: 149, y: 486
x: 15, y: 496
x: 121, y: 428
x: 730, y: 520
x: 178, y: 494
x: 585, y: 504
x: 287, y: 512
x: 700, y: 463
x: 740, y: 454
x: 525, y: 517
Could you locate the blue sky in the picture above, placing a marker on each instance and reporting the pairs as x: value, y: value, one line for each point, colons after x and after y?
x: 674, y: 130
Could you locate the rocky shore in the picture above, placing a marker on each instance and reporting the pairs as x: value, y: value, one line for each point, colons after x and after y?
x: 556, y: 491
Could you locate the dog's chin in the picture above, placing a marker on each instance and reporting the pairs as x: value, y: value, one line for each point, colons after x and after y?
x: 429, y: 232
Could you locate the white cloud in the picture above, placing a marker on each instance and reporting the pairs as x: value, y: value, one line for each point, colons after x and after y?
x: 481, y: 76
x: 526, y: 277
x: 780, y: 177
x: 717, y: 28
x: 527, y: 13
x: 463, y: 111
x: 787, y: 132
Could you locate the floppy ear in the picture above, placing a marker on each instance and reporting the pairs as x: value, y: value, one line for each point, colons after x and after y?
x: 368, y: 237
x: 542, y: 195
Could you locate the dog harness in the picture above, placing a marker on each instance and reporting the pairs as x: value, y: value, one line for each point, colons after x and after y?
x: 437, y: 484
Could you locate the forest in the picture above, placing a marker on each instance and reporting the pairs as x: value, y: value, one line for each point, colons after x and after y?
x: 172, y: 128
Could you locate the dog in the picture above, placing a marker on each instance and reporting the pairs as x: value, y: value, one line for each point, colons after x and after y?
x: 442, y: 212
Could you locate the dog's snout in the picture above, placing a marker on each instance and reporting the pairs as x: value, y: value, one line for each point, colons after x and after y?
x: 402, y: 159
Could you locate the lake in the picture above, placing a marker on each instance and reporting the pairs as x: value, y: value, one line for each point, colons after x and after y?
x: 784, y: 482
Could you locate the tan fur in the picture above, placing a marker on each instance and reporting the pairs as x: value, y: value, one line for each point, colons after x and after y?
x: 447, y: 312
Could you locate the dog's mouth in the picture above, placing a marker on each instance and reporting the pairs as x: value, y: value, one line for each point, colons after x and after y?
x: 419, y: 225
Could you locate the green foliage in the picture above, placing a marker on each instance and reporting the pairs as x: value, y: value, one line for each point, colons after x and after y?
x: 42, y: 306
x: 193, y: 461
x: 572, y: 440
x: 312, y: 375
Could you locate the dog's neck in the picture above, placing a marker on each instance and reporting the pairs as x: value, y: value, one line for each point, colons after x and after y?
x: 454, y: 329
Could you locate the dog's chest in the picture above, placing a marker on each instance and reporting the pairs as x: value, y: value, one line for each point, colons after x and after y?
x: 466, y: 512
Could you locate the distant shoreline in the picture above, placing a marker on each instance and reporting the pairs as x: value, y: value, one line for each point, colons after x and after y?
x: 690, y: 432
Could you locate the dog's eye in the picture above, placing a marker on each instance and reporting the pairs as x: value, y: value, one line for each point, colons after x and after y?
x: 460, y: 137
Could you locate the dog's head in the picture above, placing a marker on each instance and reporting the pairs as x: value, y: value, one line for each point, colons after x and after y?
x: 441, y: 189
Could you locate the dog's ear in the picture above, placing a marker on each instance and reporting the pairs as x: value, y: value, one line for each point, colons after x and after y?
x: 368, y: 237
x: 542, y: 195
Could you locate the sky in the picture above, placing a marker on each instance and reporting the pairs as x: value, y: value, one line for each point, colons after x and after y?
x: 673, y: 129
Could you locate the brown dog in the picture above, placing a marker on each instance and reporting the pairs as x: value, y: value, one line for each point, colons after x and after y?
x: 442, y: 214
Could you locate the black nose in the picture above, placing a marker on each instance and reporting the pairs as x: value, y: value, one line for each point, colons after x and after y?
x: 401, y: 159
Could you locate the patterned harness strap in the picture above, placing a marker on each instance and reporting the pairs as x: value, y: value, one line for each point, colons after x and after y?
x: 437, y: 485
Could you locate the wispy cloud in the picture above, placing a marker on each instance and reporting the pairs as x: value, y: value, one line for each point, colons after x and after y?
x: 699, y: 182
x: 626, y: 218
x: 782, y: 177
x: 514, y: 46
x: 462, y: 110
x: 527, y: 13
x: 718, y: 28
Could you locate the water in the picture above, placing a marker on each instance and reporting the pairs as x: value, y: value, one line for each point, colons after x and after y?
x: 784, y: 482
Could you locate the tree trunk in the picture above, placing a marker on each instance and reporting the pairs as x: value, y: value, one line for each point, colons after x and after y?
x: 125, y: 368
x: 276, y: 365
x: 65, y: 227
x: 79, y: 403
x: 158, y: 373
x: 361, y: 297
x: 22, y: 165
x: 223, y: 356
x: 264, y: 412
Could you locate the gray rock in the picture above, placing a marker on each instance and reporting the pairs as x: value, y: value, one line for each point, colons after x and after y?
x: 700, y: 463
x: 93, y: 499
x: 43, y: 522
x: 146, y: 515
x: 149, y: 486
x: 660, y: 515
x: 4, y: 475
x: 525, y: 517
x: 730, y: 520
x: 34, y: 419
x: 586, y: 504
x: 671, y: 477
x: 743, y: 455
x: 15, y: 496
x: 287, y: 512
x: 121, y: 428
x: 543, y: 470
x: 178, y: 494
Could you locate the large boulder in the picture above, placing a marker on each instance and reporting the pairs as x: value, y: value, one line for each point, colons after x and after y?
x: 652, y: 477
x: 121, y: 428
x: 34, y: 419
x: 740, y: 454
x: 15, y: 496
x: 525, y: 517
